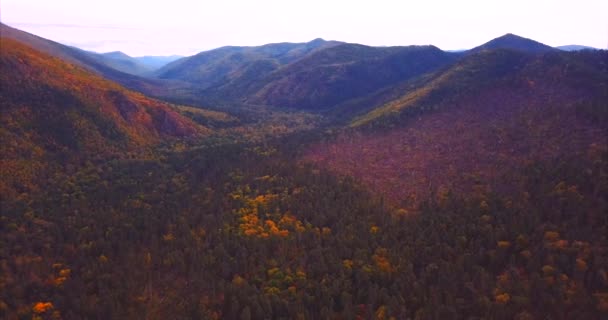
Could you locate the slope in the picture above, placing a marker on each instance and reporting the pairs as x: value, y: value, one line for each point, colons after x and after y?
x: 218, y: 66
x: 54, y: 113
x: 338, y: 74
x: 477, y: 125
x: 93, y: 62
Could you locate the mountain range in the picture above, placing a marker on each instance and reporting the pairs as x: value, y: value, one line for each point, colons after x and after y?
x: 317, y: 180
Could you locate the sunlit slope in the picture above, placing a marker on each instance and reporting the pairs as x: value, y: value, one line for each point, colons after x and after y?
x: 54, y: 109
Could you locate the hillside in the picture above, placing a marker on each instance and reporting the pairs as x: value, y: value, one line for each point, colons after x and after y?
x: 97, y: 63
x: 216, y: 67
x: 53, y: 110
x: 480, y: 121
x: 335, y: 75
x: 312, y: 76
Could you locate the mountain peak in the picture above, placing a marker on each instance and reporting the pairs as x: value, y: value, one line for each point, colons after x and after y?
x: 514, y: 42
x: 116, y: 55
x: 318, y: 40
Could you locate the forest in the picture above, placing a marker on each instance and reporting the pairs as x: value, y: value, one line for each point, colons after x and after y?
x: 473, y: 187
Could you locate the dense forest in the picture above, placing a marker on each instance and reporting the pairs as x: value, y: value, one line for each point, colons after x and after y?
x: 430, y: 205
x: 203, y: 233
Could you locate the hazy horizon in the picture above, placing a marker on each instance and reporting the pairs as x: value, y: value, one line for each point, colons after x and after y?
x: 184, y: 28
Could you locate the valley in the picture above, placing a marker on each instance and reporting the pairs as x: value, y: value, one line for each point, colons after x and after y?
x: 317, y: 180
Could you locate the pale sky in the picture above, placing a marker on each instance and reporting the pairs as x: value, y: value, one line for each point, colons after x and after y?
x: 161, y: 27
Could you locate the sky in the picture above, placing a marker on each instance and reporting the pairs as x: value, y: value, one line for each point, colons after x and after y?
x: 163, y: 27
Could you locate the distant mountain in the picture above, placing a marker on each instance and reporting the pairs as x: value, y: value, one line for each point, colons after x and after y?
x: 216, y: 67
x: 141, y: 66
x: 125, y: 63
x: 513, y: 42
x: 156, y: 62
x: 315, y: 75
x: 575, y: 47
x: 53, y: 111
x: 114, y: 66
x: 334, y: 75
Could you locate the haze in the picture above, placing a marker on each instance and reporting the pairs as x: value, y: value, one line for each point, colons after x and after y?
x: 156, y: 27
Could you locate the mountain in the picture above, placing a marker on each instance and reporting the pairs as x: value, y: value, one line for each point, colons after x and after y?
x: 344, y: 72
x: 157, y: 62
x: 55, y: 111
x: 123, y: 62
x: 140, y: 66
x: 513, y: 42
x: 215, y: 67
x: 97, y: 63
x: 575, y: 47
x: 479, y: 122
x: 312, y: 76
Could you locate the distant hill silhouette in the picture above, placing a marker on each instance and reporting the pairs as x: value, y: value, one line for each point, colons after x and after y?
x: 575, y: 47
x: 513, y: 42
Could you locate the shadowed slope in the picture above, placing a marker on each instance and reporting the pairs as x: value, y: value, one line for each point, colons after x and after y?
x: 338, y: 74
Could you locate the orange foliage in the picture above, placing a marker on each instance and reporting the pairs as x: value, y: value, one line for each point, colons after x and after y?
x: 42, y: 307
x: 251, y: 225
x: 504, y: 244
x: 502, y: 298
x: 581, y: 265
x: 602, y: 301
x: 238, y: 281
x: 548, y: 270
x: 348, y: 264
x: 551, y: 236
x: 382, y: 262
